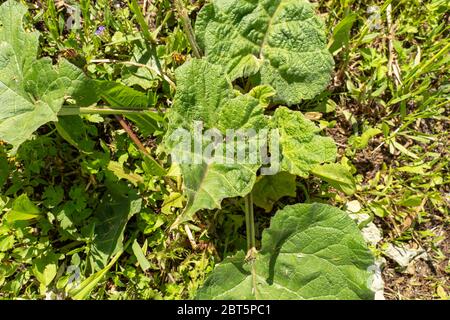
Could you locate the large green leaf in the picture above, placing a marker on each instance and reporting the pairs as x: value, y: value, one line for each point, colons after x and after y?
x: 32, y: 91
x: 282, y: 41
x: 270, y: 189
x: 301, y: 145
x: 205, y: 95
x: 310, y: 251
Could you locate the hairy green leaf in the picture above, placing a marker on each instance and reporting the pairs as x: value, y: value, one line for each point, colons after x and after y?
x: 270, y: 189
x: 302, y: 147
x: 32, y: 91
x: 283, y: 42
x: 310, y: 251
x: 205, y: 100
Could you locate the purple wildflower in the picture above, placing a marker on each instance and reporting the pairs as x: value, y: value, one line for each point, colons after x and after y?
x: 100, y: 31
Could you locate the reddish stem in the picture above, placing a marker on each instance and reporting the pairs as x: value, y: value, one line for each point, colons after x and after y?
x: 131, y: 134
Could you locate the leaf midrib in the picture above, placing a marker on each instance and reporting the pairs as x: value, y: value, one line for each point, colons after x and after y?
x: 269, y: 28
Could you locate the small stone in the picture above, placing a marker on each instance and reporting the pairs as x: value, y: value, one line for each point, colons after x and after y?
x: 403, y: 255
x: 353, y: 206
x: 377, y: 284
x: 371, y: 233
